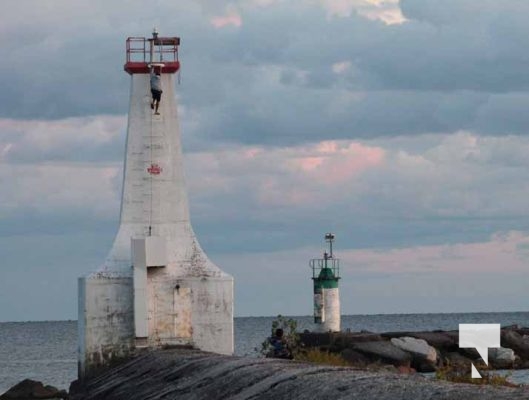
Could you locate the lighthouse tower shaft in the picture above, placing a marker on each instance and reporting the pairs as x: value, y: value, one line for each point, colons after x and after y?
x: 157, y: 287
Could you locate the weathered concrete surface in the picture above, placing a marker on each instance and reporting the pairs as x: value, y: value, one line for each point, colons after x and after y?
x: 331, y: 311
x: 190, y: 374
x: 186, y: 299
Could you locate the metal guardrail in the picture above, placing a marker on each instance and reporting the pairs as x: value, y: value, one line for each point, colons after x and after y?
x: 317, y: 264
x: 152, y: 50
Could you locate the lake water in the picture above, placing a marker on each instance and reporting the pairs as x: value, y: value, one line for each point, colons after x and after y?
x: 46, y: 351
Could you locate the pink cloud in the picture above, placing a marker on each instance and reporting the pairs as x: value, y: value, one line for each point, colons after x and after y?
x: 328, y: 146
x: 506, y: 252
x: 231, y: 18
x: 387, y: 11
x: 339, y: 161
x: 290, y: 176
x: 310, y: 163
x: 252, y: 152
x: 301, y: 172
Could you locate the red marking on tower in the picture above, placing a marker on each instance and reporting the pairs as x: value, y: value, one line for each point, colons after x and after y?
x: 154, y: 169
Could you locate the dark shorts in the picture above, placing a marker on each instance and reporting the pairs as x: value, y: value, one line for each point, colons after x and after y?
x: 156, y: 94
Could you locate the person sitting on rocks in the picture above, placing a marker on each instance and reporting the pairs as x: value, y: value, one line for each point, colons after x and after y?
x: 279, y: 346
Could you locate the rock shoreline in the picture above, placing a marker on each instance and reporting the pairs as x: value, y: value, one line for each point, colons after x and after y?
x: 423, y: 351
x: 29, y: 389
x: 191, y: 374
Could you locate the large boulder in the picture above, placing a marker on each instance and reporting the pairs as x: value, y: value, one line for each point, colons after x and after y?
x: 513, y: 340
x: 355, y: 358
x: 346, y: 340
x: 336, y: 341
x: 383, y: 351
x: 501, y: 357
x: 424, y: 355
x: 442, y: 341
x: 417, y: 347
x: 30, y: 390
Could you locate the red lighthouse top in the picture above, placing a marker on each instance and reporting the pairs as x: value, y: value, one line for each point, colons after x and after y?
x: 162, y: 52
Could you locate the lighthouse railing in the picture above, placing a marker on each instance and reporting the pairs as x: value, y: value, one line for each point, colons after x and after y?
x: 161, y: 49
x: 317, y: 264
x: 140, y: 52
x: 136, y: 49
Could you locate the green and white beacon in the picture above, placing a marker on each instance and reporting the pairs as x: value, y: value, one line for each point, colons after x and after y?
x: 325, y: 275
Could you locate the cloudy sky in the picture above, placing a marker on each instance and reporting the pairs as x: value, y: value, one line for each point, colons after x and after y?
x: 402, y: 127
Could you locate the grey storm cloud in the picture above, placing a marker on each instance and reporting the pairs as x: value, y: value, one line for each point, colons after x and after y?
x: 451, y: 66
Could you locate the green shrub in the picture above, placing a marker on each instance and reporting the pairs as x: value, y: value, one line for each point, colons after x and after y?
x: 290, y: 335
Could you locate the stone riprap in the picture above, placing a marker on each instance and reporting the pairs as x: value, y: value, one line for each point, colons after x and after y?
x: 423, y: 351
x: 502, y: 357
x: 190, y: 374
x: 384, y: 351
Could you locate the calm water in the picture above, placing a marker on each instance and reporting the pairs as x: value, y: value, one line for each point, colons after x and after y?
x: 46, y: 351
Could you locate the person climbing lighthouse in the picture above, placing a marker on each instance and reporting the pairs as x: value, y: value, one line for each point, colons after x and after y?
x: 156, y: 88
x: 156, y: 287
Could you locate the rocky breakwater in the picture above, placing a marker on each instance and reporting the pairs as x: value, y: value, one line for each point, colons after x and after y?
x: 422, y: 351
x: 190, y: 374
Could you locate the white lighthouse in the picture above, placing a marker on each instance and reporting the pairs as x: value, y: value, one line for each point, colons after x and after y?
x: 325, y: 277
x: 157, y: 287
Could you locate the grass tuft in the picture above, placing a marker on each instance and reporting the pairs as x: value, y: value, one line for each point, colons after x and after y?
x: 322, y: 357
x: 459, y: 374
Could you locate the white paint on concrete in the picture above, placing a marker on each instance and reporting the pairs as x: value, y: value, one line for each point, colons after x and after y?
x: 106, y: 321
x: 150, y: 251
x: 139, y: 279
x: 156, y: 200
x: 331, y: 310
x: 189, y: 300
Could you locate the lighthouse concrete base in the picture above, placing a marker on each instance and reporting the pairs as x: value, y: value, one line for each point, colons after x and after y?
x: 106, y: 321
x: 196, y: 311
